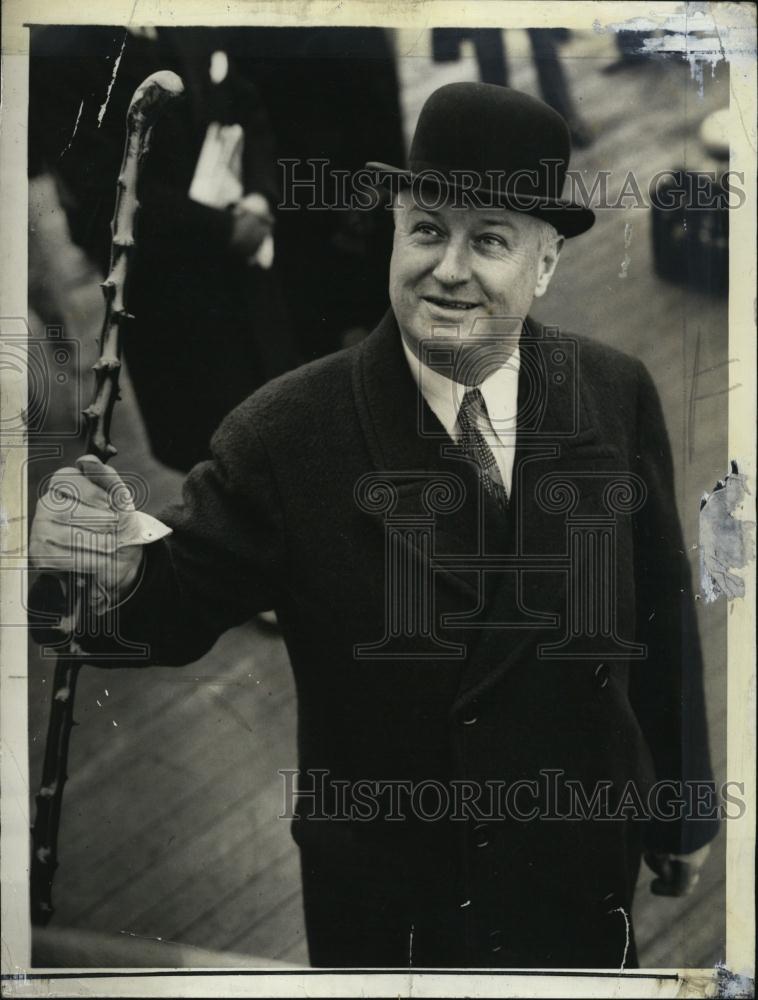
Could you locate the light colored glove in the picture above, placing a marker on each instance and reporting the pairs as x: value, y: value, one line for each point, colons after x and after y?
x: 86, y: 523
x: 259, y: 206
x: 678, y: 874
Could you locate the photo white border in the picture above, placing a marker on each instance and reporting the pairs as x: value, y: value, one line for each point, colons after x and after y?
x: 736, y: 28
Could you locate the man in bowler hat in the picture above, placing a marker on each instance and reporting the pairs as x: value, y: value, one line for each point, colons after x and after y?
x: 467, y: 527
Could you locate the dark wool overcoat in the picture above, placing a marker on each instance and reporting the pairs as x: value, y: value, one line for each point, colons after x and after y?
x: 447, y: 646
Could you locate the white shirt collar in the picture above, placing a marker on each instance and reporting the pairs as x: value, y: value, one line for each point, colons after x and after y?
x: 500, y: 392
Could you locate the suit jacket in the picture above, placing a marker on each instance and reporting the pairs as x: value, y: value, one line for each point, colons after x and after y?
x: 335, y: 497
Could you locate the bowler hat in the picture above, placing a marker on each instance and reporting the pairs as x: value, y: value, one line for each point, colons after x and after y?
x: 488, y: 145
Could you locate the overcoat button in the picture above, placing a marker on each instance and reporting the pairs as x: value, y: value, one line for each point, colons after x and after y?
x: 471, y: 714
x: 601, y: 675
x: 480, y: 835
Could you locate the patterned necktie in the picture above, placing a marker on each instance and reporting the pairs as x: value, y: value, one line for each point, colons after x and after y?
x: 476, y: 448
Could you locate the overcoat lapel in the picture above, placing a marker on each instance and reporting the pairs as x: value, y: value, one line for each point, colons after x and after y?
x: 410, y: 447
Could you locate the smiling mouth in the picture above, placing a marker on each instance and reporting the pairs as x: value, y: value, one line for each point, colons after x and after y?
x: 455, y: 305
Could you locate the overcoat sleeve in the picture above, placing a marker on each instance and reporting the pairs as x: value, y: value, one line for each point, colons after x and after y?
x: 667, y: 687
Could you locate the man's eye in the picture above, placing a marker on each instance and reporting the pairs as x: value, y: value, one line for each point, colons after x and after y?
x: 490, y: 240
x: 426, y: 229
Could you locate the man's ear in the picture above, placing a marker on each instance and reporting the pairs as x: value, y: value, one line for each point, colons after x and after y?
x: 547, y: 265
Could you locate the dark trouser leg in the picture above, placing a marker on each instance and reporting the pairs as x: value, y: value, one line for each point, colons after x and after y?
x: 446, y: 43
x: 490, y: 56
x: 552, y: 79
x: 554, y: 85
x: 369, y: 911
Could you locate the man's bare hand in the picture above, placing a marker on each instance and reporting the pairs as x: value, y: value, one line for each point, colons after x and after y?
x: 86, y: 523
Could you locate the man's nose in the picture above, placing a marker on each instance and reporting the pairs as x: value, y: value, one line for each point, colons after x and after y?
x: 454, y: 266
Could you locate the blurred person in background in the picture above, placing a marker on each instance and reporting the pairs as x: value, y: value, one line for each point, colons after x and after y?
x: 631, y: 51
x: 210, y: 321
x: 331, y: 94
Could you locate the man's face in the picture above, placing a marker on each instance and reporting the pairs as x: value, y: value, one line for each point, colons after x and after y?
x: 454, y: 266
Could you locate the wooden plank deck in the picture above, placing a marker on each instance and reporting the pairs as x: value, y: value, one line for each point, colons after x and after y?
x: 170, y: 824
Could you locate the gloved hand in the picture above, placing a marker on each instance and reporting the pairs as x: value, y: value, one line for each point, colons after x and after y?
x: 252, y: 223
x: 86, y: 523
x: 678, y: 874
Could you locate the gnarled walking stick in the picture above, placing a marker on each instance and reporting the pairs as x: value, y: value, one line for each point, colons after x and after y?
x: 148, y: 102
